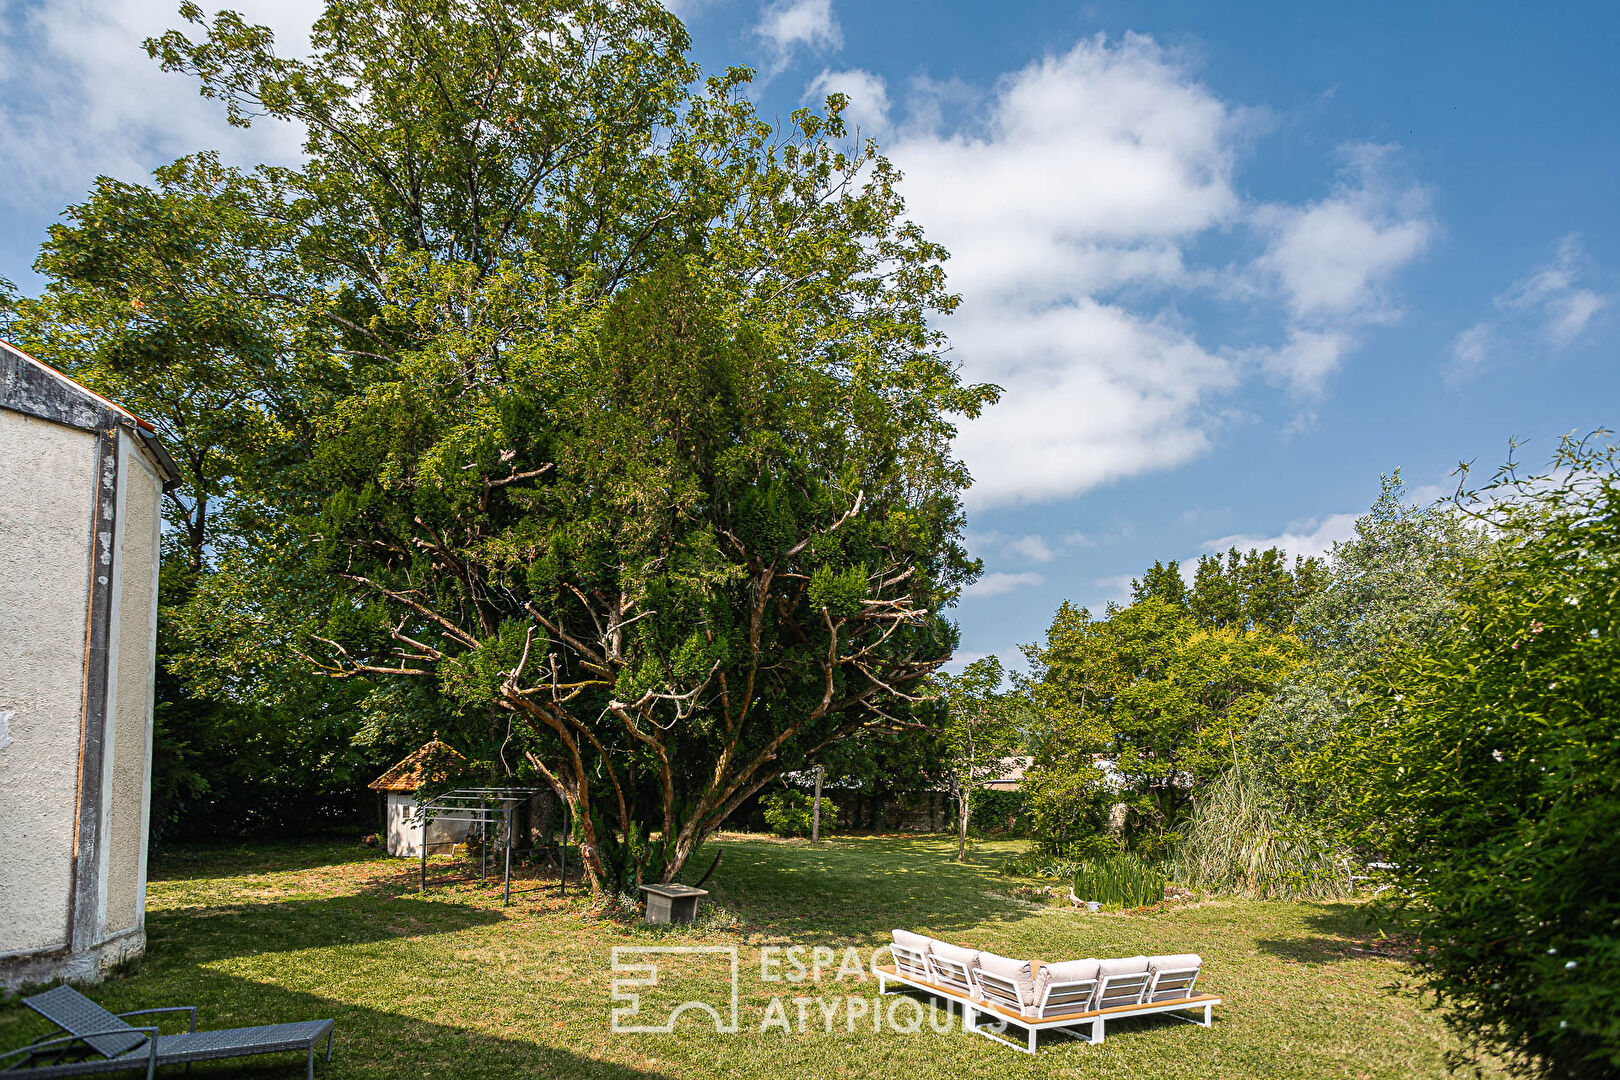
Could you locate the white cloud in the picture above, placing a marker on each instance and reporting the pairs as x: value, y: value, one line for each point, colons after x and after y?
x: 868, y: 108
x: 998, y: 584
x: 1471, y: 352
x: 1550, y: 306
x: 1086, y: 170
x: 1093, y: 393
x: 1312, y: 538
x: 79, y: 96
x: 789, y: 26
x: 1333, y: 262
x: 1334, y: 257
x: 1030, y: 548
x: 1072, y: 199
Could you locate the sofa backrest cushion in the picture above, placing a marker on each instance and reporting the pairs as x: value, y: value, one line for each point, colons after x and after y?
x: 1067, y: 998
x: 1016, y: 972
x: 953, y: 965
x: 911, y: 954
x: 1173, y: 975
x: 1120, y: 982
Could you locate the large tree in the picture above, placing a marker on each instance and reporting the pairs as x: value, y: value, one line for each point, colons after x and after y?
x: 631, y: 423
x: 553, y: 379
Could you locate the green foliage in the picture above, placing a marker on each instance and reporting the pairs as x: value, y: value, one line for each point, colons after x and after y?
x: 1271, y: 826
x: 1123, y: 881
x: 980, y: 731
x: 1245, y: 840
x: 1042, y: 865
x: 1391, y: 585
x: 1157, y: 693
x: 1248, y: 590
x: 791, y: 812
x: 1000, y: 811
x: 1484, y: 762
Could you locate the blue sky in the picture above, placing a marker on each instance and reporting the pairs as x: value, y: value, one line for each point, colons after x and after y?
x: 1230, y: 262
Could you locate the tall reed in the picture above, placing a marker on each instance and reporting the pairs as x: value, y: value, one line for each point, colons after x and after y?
x: 1244, y: 841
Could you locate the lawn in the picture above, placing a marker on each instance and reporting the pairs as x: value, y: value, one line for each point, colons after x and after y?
x: 453, y: 985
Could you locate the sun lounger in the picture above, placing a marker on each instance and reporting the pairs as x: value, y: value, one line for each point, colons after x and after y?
x: 1061, y: 997
x: 108, y: 1044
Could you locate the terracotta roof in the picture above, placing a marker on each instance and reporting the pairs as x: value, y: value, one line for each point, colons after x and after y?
x: 434, y: 762
x: 1008, y: 771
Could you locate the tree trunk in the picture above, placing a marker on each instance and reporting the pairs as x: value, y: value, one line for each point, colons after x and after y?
x: 962, y: 801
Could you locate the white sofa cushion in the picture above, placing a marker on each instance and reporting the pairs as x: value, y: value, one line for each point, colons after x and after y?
x: 1130, y: 965
x: 1016, y: 972
x: 1068, y: 971
x: 906, y: 939
x: 969, y: 958
x: 1173, y: 962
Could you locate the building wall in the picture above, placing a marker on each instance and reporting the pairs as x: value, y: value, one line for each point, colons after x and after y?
x: 44, y: 601
x: 405, y: 833
x: 131, y: 670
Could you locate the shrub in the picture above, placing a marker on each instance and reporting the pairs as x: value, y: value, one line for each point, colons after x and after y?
x: 1488, y: 772
x: 1123, y: 881
x: 789, y: 813
x: 997, y: 811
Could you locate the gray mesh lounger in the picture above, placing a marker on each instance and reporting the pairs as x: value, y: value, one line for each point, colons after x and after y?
x: 123, y: 1048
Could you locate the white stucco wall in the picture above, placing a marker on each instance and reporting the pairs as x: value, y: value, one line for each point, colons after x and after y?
x: 44, y: 602
x: 131, y: 669
x: 405, y: 834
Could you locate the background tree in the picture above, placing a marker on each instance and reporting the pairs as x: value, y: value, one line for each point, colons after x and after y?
x: 1161, y: 690
x: 169, y: 298
x: 980, y: 732
x: 1252, y: 589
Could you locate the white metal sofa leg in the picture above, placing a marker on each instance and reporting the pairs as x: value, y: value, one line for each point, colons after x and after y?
x: 1207, y: 1021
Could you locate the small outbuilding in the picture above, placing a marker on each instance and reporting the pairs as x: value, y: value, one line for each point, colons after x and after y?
x: 434, y: 763
x: 81, y: 501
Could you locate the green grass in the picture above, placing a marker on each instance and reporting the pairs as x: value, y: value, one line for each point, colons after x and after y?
x: 454, y: 985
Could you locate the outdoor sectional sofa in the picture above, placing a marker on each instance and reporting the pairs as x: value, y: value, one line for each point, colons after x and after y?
x: 995, y: 991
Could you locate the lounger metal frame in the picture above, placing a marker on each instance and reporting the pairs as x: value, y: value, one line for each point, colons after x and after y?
x: 127, y: 1048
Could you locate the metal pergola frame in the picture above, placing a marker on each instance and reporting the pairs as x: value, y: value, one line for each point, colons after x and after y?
x: 484, y: 806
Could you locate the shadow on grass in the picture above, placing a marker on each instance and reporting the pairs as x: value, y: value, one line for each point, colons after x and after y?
x: 216, y: 931
x: 1341, y: 932
x: 194, y: 862
x: 847, y: 888
x: 456, y: 876
x: 370, y: 1042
